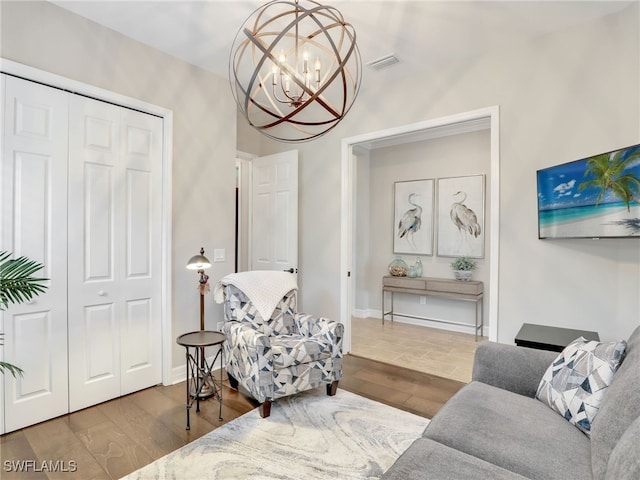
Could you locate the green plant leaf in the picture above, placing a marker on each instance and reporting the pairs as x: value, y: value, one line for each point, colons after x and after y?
x: 15, y: 371
x: 464, y: 264
x: 17, y: 285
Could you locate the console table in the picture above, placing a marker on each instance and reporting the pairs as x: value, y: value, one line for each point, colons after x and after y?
x: 471, y: 291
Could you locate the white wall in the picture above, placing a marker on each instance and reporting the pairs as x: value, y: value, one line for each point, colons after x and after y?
x: 450, y: 156
x: 562, y: 97
x: 44, y: 36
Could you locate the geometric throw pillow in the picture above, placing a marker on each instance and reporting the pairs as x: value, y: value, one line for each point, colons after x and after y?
x: 577, y: 380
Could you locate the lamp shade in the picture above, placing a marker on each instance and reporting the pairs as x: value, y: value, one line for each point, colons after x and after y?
x: 198, y: 262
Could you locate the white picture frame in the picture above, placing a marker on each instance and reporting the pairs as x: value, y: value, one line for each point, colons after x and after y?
x: 460, y: 212
x: 413, y: 217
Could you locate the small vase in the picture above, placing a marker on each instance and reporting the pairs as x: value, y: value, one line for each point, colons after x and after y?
x: 463, y: 275
x: 398, y: 268
x: 418, y: 267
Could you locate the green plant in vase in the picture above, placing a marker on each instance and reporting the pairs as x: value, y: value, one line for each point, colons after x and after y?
x: 463, y: 268
x: 17, y: 285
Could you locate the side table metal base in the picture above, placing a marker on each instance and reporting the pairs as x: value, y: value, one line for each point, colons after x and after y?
x: 206, y: 392
x: 201, y: 381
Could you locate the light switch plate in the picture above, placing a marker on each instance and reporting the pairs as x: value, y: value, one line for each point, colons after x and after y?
x: 219, y: 254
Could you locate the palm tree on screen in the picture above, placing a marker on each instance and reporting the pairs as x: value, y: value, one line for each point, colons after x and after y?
x: 608, y: 173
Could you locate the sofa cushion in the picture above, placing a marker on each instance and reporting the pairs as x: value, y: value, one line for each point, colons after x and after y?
x: 576, y: 381
x: 620, y: 407
x: 426, y: 459
x: 512, y: 431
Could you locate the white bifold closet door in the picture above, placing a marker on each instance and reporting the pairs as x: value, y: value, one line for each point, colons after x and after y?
x: 34, y: 224
x: 81, y: 193
x: 114, y: 251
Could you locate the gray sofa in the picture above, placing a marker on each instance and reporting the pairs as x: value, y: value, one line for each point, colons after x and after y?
x: 494, y: 428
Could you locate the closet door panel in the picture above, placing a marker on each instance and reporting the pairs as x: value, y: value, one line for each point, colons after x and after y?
x: 100, y: 336
x: 141, y: 331
x: 95, y: 198
x: 32, y: 175
x: 34, y: 224
x: 38, y: 359
x: 98, y: 223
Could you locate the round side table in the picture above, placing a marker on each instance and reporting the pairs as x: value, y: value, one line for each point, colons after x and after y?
x: 201, y: 381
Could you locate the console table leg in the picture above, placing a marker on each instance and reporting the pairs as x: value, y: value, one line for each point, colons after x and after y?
x: 476, y: 331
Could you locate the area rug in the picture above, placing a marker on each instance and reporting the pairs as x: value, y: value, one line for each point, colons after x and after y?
x: 307, y: 436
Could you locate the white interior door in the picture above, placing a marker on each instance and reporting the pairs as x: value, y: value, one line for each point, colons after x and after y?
x: 274, y: 212
x: 34, y: 224
x: 114, y: 252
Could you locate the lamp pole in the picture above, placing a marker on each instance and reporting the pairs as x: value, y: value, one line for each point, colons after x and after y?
x: 204, y: 279
x: 199, y: 263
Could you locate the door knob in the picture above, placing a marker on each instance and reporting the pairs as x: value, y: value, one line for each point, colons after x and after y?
x: 291, y: 270
x: 102, y: 293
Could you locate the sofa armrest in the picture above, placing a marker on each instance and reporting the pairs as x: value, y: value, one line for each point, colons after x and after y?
x: 517, y: 369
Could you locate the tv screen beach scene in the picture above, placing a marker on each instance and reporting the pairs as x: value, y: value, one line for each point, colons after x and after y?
x: 595, y: 197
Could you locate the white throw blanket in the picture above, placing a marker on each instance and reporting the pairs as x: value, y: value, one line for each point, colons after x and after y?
x: 264, y: 288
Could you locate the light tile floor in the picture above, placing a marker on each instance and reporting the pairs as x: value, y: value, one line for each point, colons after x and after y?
x: 430, y: 350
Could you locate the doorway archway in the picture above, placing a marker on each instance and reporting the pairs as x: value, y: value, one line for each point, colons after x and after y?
x: 486, y: 118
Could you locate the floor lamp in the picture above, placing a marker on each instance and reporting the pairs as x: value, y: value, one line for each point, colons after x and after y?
x: 199, y: 263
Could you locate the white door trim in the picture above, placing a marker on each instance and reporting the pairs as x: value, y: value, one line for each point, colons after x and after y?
x: 243, y: 161
x: 29, y: 73
x: 453, y: 124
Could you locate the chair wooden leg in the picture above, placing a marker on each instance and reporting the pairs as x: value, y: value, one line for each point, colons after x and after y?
x: 265, y: 409
x: 233, y: 381
x: 332, y: 388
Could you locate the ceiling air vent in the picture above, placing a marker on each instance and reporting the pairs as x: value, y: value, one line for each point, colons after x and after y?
x: 383, y: 62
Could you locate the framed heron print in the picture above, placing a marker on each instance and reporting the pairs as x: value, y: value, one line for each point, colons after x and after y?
x: 461, y: 216
x: 413, y: 217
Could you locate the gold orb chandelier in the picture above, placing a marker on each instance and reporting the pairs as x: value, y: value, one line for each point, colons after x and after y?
x: 295, y: 69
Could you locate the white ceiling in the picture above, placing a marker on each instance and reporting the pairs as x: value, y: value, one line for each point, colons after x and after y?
x: 423, y: 34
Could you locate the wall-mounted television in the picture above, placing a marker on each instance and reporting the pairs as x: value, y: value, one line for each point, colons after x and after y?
x: 596, y: 197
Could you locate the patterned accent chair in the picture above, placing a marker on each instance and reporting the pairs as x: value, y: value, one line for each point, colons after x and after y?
x: 282, y: 355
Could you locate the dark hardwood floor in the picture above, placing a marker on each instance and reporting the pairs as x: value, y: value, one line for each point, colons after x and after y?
x: 409, y: 390
x: 115, y: 438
